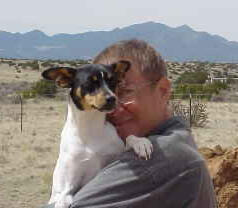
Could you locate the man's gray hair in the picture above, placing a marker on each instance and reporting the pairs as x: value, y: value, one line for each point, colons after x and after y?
x: 140, y: 53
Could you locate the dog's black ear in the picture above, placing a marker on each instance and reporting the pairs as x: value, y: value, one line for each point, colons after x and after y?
x: 63, y: 76
x: 120, y: 68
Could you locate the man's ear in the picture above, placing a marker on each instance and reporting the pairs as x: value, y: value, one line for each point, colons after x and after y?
x: 164, y: 86
x: 120, y: 68
x: 63, y: 76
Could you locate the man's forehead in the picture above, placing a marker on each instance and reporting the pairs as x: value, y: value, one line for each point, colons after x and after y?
x: 133, y: 76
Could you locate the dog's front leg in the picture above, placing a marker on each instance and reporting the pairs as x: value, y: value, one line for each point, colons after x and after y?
x: 65, y: 200
x: 69, y: 178
x: 141, y: 145
x: 58, y: 182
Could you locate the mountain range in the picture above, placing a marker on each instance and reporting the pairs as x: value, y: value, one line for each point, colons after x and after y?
x: 174, y: 43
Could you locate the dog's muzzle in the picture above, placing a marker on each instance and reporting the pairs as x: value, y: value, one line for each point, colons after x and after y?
x: 110, y: 104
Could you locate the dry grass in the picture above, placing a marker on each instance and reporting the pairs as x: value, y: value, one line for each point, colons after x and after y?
x: 10, y: 75
x: 221, y: 128
x: 27, y: 159
x: 11, y: 81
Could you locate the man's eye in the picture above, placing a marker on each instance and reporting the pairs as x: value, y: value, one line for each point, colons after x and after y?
x: 125, y: 92
x: 128, y: 91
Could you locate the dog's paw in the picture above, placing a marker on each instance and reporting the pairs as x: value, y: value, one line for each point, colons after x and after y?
x: 141, y: 145
x: 64, y: 202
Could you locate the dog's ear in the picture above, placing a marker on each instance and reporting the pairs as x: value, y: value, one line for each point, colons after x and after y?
x: 120, y: 68
x: 63, y: 76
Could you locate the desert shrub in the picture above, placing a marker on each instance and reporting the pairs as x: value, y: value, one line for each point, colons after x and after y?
x: 81, y: 61
x: 47, y: 64
x: 22, y: 65
x: 197, y: 77
x: 10, y: 63
x: 33, y: 65
x: 198, y: 116
x: 74, y: 63
x: 30, y: 93
x: 180, y: 109
x: 40, y: 88
x: 45, y: 88
x: 16, y: 100
x: 175, y: 72
x: 205, y: 90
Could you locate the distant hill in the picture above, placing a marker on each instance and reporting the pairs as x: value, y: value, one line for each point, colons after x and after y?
x: 175, y: 44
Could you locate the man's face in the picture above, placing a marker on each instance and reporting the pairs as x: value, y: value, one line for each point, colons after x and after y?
x: 143, y: 111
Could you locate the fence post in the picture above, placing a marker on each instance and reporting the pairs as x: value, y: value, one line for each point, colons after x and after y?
x: 190, y: 109
x: 21, y: 112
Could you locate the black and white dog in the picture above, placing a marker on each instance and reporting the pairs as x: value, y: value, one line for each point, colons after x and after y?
x: 88, y: 141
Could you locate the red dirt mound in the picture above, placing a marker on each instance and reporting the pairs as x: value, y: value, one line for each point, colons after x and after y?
x: 223, y: 167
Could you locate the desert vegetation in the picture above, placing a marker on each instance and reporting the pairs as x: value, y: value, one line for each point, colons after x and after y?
x: 42, y: 88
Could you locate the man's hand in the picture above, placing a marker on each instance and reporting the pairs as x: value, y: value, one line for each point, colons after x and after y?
x: 141, y: 145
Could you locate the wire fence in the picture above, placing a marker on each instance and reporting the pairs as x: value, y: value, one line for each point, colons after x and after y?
x: 186, y: 108
x: 14, y: 108
x: 211, y: 122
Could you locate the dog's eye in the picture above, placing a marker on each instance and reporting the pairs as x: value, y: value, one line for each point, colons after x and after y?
x: 94, y: 81
x: 89, y: 87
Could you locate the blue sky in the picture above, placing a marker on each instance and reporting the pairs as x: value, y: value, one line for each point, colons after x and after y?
x: 77, y: 16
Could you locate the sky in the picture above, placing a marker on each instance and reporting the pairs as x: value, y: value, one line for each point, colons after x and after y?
x: 77, y: 16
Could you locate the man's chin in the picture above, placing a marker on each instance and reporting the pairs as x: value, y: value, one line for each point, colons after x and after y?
x: 125, y: 131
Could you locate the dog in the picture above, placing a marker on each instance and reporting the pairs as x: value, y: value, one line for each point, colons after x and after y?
x: 88, y: 141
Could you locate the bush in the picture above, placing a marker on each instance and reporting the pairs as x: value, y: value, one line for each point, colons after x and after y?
x: 198, y: 116
x: 47, y: 64
x: 41, y: 88
x: 198, y: 77
x: 204, y: 90
x: 34, y: 65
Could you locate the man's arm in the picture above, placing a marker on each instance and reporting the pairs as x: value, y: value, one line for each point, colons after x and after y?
x: 132, y: 183
x: 175, y: 177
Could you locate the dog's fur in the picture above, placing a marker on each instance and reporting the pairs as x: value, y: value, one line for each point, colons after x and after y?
x: 88, y: 141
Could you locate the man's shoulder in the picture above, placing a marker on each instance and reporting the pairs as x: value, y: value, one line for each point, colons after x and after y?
x: 174, y: 141
x: 176, y: 150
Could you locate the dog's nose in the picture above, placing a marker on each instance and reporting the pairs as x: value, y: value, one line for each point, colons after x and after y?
x: 111, y: 100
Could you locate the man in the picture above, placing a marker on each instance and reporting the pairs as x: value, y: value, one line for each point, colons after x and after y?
x: 176, y: 175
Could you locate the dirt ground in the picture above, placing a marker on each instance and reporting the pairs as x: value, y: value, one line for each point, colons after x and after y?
x: 27, y: 158
x: 223, y: 167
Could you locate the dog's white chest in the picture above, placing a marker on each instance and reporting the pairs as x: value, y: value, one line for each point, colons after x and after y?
x: 88, y: 143
x: 88, y: 131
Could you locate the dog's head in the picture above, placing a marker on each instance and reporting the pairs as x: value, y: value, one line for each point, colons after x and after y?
x: 92, y: 85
